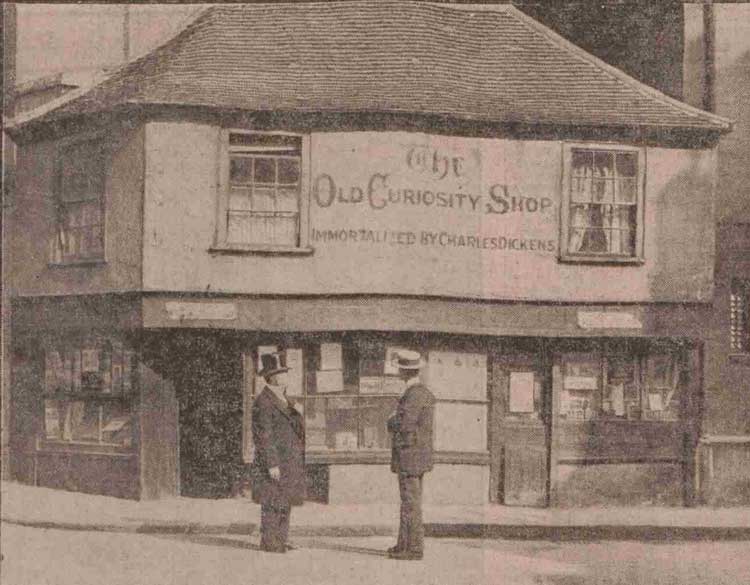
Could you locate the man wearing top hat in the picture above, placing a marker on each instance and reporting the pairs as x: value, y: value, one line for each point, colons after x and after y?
x: 411, y: 454
x: 279, y: 466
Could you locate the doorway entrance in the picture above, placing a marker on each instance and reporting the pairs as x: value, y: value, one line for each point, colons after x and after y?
x: 520, y: 394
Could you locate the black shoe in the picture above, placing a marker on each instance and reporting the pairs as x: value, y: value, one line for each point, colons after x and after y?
x: 394, y: 549
x: 405, y: 555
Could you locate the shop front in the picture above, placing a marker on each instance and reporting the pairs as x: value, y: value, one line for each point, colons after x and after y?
x: 519, y: 421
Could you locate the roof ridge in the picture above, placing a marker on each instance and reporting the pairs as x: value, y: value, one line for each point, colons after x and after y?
x: 584, y: 55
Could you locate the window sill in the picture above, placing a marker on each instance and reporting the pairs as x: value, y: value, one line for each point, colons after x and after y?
x: 84, y: 448
x: 600, y: 259
x: 261, y: 250
x: 87, y: 396
x: 740, y: 358
x: 78, y: 263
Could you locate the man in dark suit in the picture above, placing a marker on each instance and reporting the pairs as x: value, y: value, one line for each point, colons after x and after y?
x: 411, y: 454
x: 279, y: 466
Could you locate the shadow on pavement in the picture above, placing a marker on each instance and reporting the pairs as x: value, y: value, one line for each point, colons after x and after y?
x: 229, y: 542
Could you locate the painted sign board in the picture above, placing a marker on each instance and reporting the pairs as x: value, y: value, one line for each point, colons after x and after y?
x: 411, y: 213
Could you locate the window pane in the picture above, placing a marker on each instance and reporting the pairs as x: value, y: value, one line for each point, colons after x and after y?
x: 287, y: 200
x: 581, y: 381
x: 283, y: 231
x: 265, y: 170
x: 340, y: 416
x: 288, y: 171
x: 116, y: 424
x: 603, y: 164
x: 660, y: 400
x: 264, y: 199
x: 626, y: 191
x: 580, y: 189
x: 603, y: 190
x: 240, y: 200
x: 53, y: 423
x: 240, y: 170
x: 84, y: 421
x: 239, y: 227
x: 315, y: 424
x: 583, y: 162
x: 627, y: 164
x: 375, y: 414
x: 620, y: 396
x: 90, y: 214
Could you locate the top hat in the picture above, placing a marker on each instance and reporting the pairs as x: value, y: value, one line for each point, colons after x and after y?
x: 408, y: 360
x: 272, y: 363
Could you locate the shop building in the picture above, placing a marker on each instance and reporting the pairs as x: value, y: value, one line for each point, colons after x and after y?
x: 453, y: 179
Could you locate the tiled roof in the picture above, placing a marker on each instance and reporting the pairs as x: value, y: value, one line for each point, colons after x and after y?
x: 487, y: 63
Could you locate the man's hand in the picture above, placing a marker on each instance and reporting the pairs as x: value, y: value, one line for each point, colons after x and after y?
x: 275, y: 473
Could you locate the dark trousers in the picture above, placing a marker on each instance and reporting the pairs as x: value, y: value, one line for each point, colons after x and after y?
x: 274, y: 527
x: 410, y: 530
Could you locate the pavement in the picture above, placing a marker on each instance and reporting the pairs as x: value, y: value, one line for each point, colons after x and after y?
x: 60, y: 557
x: 38, y: 507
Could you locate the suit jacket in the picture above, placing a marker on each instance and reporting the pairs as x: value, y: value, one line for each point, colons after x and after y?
x: 279, y: 438
x: 411, y: 431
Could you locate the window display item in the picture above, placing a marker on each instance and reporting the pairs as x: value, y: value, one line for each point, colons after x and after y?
x: 329, y: 381
x: 457, y: 375
x: 346, y: 441
x: 521, y: 390
x: 331, y: 356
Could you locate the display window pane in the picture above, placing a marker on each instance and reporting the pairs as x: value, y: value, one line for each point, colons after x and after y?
x: 620, y: 393
x: 661, y: 395
x: 375, y: 413
x: 581, y: 383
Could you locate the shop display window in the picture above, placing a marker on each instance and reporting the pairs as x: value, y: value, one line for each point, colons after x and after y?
x: 621, y: 384
x: 347, y: 390
x: 78, y: 421
x: 87, y: 386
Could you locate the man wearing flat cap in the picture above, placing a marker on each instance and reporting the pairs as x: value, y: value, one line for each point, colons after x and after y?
x: 411, y: 454
x: 279, y: 466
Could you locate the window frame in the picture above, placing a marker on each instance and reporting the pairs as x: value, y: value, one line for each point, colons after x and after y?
x: 59, y: 203
x: 603, y: 355
x: 221, y: 242
x: 73, y: 390
x: 565, y: 255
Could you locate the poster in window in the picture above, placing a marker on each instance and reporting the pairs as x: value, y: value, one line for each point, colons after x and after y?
x: 393, y: 385
x: 295, y: 364
x: 457, y: 375
x: 617, y: 396
x: 521, y: 397
x: 90, y: 360
x: 580, y: 383
x: 329, y: 381
x: 331, y: 356
x: 370, y: 385
x: 460, y: 427
x: 51, y: 420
